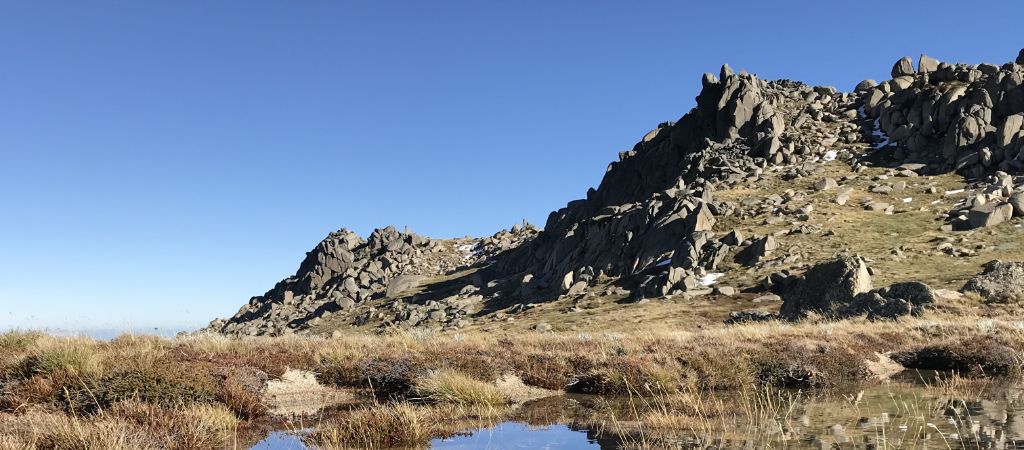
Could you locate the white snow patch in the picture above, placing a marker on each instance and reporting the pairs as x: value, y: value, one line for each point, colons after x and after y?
x: 877, y: 132
x: 665, y: 262
x: 908, y: 200
x: 709, y: 279
x: 861, y: 113
x: 467, y: 247
x: 954, y: 191
x: 831, y: 155
x: 937, y: 202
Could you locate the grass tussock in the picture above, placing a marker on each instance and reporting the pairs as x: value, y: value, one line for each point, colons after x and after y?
x: 70, y: 355
x: 399, y: 425
x: 452, y: 387
x: 382, y: 426
x: 16, y: 339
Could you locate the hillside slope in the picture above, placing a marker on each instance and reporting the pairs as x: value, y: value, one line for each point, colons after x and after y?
x: 754, y: 185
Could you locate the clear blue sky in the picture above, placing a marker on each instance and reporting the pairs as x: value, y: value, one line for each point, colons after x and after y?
x: 164, y: 161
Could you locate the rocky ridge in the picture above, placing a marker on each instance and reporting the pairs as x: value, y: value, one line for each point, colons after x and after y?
x: 345, y: 270
x: 654, y: 221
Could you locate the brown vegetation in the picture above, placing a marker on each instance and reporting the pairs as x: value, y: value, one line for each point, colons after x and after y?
x: 190, y: 392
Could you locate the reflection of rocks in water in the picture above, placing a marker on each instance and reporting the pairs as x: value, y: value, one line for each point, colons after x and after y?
x: 1014, y: 428
x: 298, y: 393
x: 839, y: 433
x: 881, y: 418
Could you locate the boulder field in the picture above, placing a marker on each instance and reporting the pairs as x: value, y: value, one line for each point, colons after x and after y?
x: 760, y: 192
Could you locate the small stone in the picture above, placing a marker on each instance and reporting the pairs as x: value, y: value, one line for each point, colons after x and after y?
x: 767, y: 298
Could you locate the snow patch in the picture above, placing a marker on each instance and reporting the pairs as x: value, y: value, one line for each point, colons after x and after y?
x: 663, y: 263
x: 877, y: 132
x: 954, y: 191
x: 709, y: 279
x: 908, y: 200
x: 831, y: 155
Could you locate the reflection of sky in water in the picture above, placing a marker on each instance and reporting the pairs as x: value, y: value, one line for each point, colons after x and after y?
x: 280, y: 441
x: 507, y: 436
x: 510, y: 436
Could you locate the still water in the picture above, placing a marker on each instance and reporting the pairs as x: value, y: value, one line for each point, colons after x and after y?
x: 506, y: 436
x: 882, y: 417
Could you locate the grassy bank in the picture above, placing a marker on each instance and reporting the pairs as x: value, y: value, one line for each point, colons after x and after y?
x: 203, y: 392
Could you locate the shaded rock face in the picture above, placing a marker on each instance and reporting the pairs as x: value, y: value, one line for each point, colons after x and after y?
x: 827, y: 288
x: 998, y: 282
x: 343, y: 271
x: 657, y: 200
x: 897, y: 300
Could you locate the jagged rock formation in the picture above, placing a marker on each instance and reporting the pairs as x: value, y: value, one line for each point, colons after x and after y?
x: 657, y: 202
x: 653, y: 219
x: 345, y: 270
x: 952, y: 116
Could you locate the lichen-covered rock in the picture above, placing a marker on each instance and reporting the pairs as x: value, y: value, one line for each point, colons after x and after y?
x: 999, y: 282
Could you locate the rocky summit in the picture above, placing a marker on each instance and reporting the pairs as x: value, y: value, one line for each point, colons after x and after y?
x: 774, y: 194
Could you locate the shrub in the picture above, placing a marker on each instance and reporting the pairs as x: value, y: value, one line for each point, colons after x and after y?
x: 163, y: 385
x: 975, y: 357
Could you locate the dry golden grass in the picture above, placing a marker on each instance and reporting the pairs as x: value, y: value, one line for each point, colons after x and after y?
x: 447, y: 386
x: 40, y: 430
x: 380, y: 426
x: 72, y: 355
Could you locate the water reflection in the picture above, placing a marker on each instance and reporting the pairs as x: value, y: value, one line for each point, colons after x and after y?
x: 280, y: 440
x: 893, y: 416
x: 509, y: 436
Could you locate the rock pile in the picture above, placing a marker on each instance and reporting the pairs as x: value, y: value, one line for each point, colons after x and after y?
x: 344, y: 271
x: 967, y: 118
